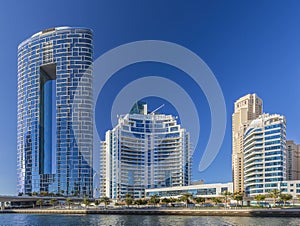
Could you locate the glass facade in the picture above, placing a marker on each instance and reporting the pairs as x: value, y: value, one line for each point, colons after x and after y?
x: 145, y: 151
x: 194, y: 192
x: 202, y: 190
x: 264, y: 154
x: 54, y: 143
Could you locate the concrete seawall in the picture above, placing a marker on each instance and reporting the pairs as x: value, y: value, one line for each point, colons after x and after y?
x: 187, y: 212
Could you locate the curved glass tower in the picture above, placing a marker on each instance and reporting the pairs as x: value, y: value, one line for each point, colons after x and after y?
x: 265, y: 154
x: 55, y: 142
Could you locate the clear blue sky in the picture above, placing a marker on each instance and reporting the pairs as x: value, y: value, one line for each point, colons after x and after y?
x: 253, y: 46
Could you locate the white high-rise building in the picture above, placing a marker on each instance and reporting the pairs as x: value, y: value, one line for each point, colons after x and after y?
x: 246, y: 109
x: 264, y: 154
x: 145, y: 150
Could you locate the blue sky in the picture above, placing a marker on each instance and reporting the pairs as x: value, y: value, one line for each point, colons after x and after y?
x: 251, y: 46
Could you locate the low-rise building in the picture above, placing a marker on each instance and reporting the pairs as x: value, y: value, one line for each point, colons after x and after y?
x: 290, y: 187
x: 199, y: 190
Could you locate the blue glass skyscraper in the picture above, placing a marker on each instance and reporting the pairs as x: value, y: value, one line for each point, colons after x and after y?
x: 54, y: 142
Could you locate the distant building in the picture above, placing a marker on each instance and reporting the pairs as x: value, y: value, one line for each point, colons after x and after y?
x: 264, y: 154
x: 202, y: 190
x: 50, y: 157
x: 292, y: 160
x: 103, y: 169
x: 289, y: 187
x: 197, y: 182
x: 246, y: 109
x: 144, y: 150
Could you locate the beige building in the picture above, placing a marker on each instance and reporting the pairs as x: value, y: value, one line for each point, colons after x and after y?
x: 246, y: 109
x: 103, y: 169
x: 292, y: 160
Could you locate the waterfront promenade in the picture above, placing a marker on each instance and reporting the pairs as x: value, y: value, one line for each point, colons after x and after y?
x: 276, y: 212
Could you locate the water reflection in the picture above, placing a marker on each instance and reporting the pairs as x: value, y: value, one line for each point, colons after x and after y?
x: 132, y: 220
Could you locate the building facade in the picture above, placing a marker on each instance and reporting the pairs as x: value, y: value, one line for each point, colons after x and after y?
x: 199, y: 190
x: 289, y: 187
x: 54, y: 141
x: 292, y: 160
x: 264, y: 154
x: 145, y: 150
x: 246, y: 109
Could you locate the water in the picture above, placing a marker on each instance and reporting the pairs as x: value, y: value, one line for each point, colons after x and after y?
x: 132, y: 220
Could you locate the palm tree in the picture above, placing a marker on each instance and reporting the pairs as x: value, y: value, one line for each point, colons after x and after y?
x: 226, y: 194
x: 97, y: 202
x: 53, y: 201
x: 144, y: 201
x: 105, y: 200
x: 75, y: 193
x: 285, y: 197
x: 43, y: 193
x: 216, y: 200
x: 138, y: 202
x: 86, y: 202
x: 274, y: 194
x: 172, y: 200
x: 128, y: 199
x: 141, y: 202
x: 200, y: 200
x: 69, y: 202
x: 62, y: 192
x: 39, y: 203
x: 298, y: 197
x: 165, y: 200
x: 186, y: 198
x: 154, y: 199
x: 260, y: 198
x: 238, y: 196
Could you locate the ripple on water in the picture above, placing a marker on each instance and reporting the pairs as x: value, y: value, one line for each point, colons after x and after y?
x: 132, y: 220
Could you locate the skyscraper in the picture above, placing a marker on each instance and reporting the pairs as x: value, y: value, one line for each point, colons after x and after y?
x: 145, y: 150
x: 246, y: 109
x: 265, y: 154
x: 292, y: 160
x: 54, y: 141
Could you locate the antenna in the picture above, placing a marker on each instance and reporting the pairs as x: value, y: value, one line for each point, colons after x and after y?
x: 152, y: 113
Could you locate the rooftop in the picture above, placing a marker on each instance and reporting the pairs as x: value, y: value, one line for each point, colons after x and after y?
x: 48, y: 31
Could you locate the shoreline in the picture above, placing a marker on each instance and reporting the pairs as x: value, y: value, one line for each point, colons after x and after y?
x: 186, y: 212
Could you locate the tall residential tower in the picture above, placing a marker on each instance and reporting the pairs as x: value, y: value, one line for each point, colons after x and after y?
x: 246, y: 109
x: 292, y: 160
x: 265, y: 154
x: 145, y: 150
x: 54, y: 141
